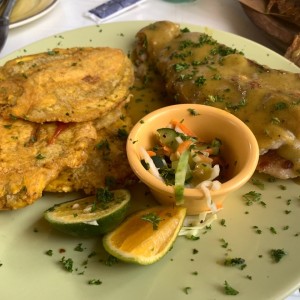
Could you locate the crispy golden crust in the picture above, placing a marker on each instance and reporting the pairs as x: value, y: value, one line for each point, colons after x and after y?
x: 107, y: 163
x: 67, y: 85
x: 34, y: 154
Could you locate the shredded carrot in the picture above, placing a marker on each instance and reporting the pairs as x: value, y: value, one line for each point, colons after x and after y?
x: 182, y: 127
x: 219, y: 205
x: 184, y: 146
x: 151, y: 153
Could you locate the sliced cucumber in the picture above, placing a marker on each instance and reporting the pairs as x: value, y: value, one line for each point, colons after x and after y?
x: 180, y: 176
x: 90, y: 216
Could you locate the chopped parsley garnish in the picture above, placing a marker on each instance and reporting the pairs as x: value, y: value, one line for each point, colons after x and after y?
x: 200, y: 80
x: 185, y: 29
x: 180, y: 67
x: 224, y: 243
x: 238, y: 261
x: 223, y: 222
x: 280, y: 106
x: 152, y: 218
x: 111, y: 260
x: 185, y: 77
x: 277, y: 254
x: 122, y: 133
x: 217, y: 77
x: 193, y: 112
x: 257, y: 230
x: 192, y: 237
x: 49, y: 252
x: 52, y: 52
x: 229, y: 290
x: 187, y: 290
x: 79, y: 248
x: 282, y: 187
x: 168, y: 174
x: 103, y: 198
x: 67, y: 264
x: 104, y: 195
x: 237, y: 106
x: 40, y: 156
x: 258, y: 183
x: 252, y: 197
x: 93, y: 253
x: 103, y: 145
x: 94, y: 282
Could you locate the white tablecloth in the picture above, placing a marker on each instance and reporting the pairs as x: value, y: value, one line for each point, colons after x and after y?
x: 226, y: 15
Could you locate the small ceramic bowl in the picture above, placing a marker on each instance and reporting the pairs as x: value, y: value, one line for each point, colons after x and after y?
x: 239, y: 148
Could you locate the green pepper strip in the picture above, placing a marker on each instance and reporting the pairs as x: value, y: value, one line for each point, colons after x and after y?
x: 180, y: 175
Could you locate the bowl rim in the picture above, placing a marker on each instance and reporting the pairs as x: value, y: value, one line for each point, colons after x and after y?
x: 232, y: 184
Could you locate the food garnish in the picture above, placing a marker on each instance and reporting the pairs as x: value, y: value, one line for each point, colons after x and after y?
x: 139, y: 241
x: 90, y: 216
x: 229, y: 290
x: 277, y: 254
x: 182, y: 159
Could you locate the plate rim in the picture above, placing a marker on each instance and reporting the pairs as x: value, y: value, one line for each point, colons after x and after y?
x: 33, y: 17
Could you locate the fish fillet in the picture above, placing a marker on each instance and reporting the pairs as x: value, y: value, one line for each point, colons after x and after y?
x: 195, y: 68
x: 107, y: 164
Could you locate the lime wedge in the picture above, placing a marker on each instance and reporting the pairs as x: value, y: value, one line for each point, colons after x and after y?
x: 90, y: 216
x: 146, y: 236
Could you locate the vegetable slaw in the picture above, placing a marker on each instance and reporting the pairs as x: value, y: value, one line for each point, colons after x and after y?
x: 183, y: 160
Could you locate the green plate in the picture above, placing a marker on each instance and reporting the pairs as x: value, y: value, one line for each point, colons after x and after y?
x: 28, y: 271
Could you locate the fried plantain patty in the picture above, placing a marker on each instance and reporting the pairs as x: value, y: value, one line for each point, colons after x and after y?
x: 67, y: 85
x: 107, y: 163
x: 32, y: 155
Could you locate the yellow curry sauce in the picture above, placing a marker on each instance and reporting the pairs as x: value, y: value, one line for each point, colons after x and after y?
x: 195, y: 68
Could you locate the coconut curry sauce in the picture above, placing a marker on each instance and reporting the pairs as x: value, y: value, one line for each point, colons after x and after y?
x: 195, y: 68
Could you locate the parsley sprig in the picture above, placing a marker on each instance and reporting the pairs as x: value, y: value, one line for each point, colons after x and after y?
x: 152, y: 218
x: 229, y: 290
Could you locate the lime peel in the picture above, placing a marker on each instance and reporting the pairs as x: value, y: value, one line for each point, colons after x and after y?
x: 85, y: 217
x: 136, y: 241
